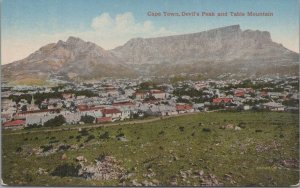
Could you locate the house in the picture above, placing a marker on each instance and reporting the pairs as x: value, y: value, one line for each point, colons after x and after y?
x: 158, y: 94
x: 140, y: 95
x: 184, y: 108
x: 239, y: 93
x: 199, y: 107
x: 111, y: 91
x: 218, y: 101
x: 67, y: 95
x: 103, y: 120
x: 23, y: 115
x: 273, y: 106
x: 123, y: 103
x: 114, y: 113
x: 80, y: 97
x: 126, y: 112
x: 14, y: 124
x: 167, y: 110
x: 82, y: 107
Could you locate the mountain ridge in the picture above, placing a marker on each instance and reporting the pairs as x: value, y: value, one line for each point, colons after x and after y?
x: 77, y: 59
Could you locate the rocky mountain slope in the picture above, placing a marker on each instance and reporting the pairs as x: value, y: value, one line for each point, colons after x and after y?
x: 213, y: 52
x: 74, y: 58
x: 222, y: 44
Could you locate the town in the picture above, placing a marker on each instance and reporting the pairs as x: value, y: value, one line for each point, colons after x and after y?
x: 111, y: 100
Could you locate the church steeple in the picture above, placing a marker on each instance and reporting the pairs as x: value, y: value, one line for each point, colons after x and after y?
x: 32, y: 100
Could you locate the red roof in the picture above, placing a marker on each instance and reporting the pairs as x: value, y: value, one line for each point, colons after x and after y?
x: 38, y: 111
x: 82, y: 107
x: 239, y: 93
x: 156, y: 91
x: 96, y: 108
x: 140, y: 93
x: 126, y: 103
x: 183, y: 107
x: 103, y: 119
x: 14, y: 123
x: 151, y: 101
x: 110, y: 111
x: 219, y: 100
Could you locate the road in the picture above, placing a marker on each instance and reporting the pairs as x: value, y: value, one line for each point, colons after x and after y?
x: 76, y: 127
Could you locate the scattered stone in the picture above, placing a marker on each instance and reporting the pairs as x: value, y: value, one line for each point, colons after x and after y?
x: 106, y: 168
x: 229, y: 126
x: 122, y: 138
x: 147, y: 183
x: 155, y: 181
x: 237, y: 128
x: 64, y: 157
x: 267, y: 147
x: 290, y: 163
x: 42, y: 171
x: 175, y: 158
x: 135, y: 183
x: 81, y: 159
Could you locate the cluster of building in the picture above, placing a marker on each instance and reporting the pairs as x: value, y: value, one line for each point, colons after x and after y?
x: 121, y: 99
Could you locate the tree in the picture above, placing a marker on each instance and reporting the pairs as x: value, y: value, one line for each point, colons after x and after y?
x: 24, y: 108
x: 87, y: 119
x: 57, y: 121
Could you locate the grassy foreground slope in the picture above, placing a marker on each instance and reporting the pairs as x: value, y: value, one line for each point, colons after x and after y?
x: 265, y: 152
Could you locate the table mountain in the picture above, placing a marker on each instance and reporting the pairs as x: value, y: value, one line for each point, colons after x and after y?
x: 222, y: 44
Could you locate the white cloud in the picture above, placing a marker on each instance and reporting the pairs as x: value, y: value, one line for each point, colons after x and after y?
x: 123, y: 27
x: 101, y: 21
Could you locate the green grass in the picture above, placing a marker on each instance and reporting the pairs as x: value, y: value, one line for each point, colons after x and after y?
x: 155, y: 144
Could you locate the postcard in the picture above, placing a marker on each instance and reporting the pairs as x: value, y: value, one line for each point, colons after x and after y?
x: 201, y: 93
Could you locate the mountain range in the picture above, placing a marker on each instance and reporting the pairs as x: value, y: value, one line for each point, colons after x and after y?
x: 212, y: 52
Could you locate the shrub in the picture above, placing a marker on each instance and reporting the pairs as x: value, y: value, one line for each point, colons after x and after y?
x: 89, y: 138
x: 30, y: 126
x: 19, y: 149
x: 78, y: 137
x: 242, y: 125
x: 71, y: 137
x: 84, y: 132
x: 46, y: 148
x: 102, y: 156
x: 53, y: 141
x: 66, y: 170
x: 57, y: 121
x: 87, y: 119
x: 161, y: 132
x: 120, y: 135
x: 206, y: 130
x: 104, y: 135
x: 258, y: 131
x: 181, y: 129
x: 63, y: 147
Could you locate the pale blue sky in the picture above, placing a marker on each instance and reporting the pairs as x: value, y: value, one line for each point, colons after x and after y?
x: 29, y: 24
